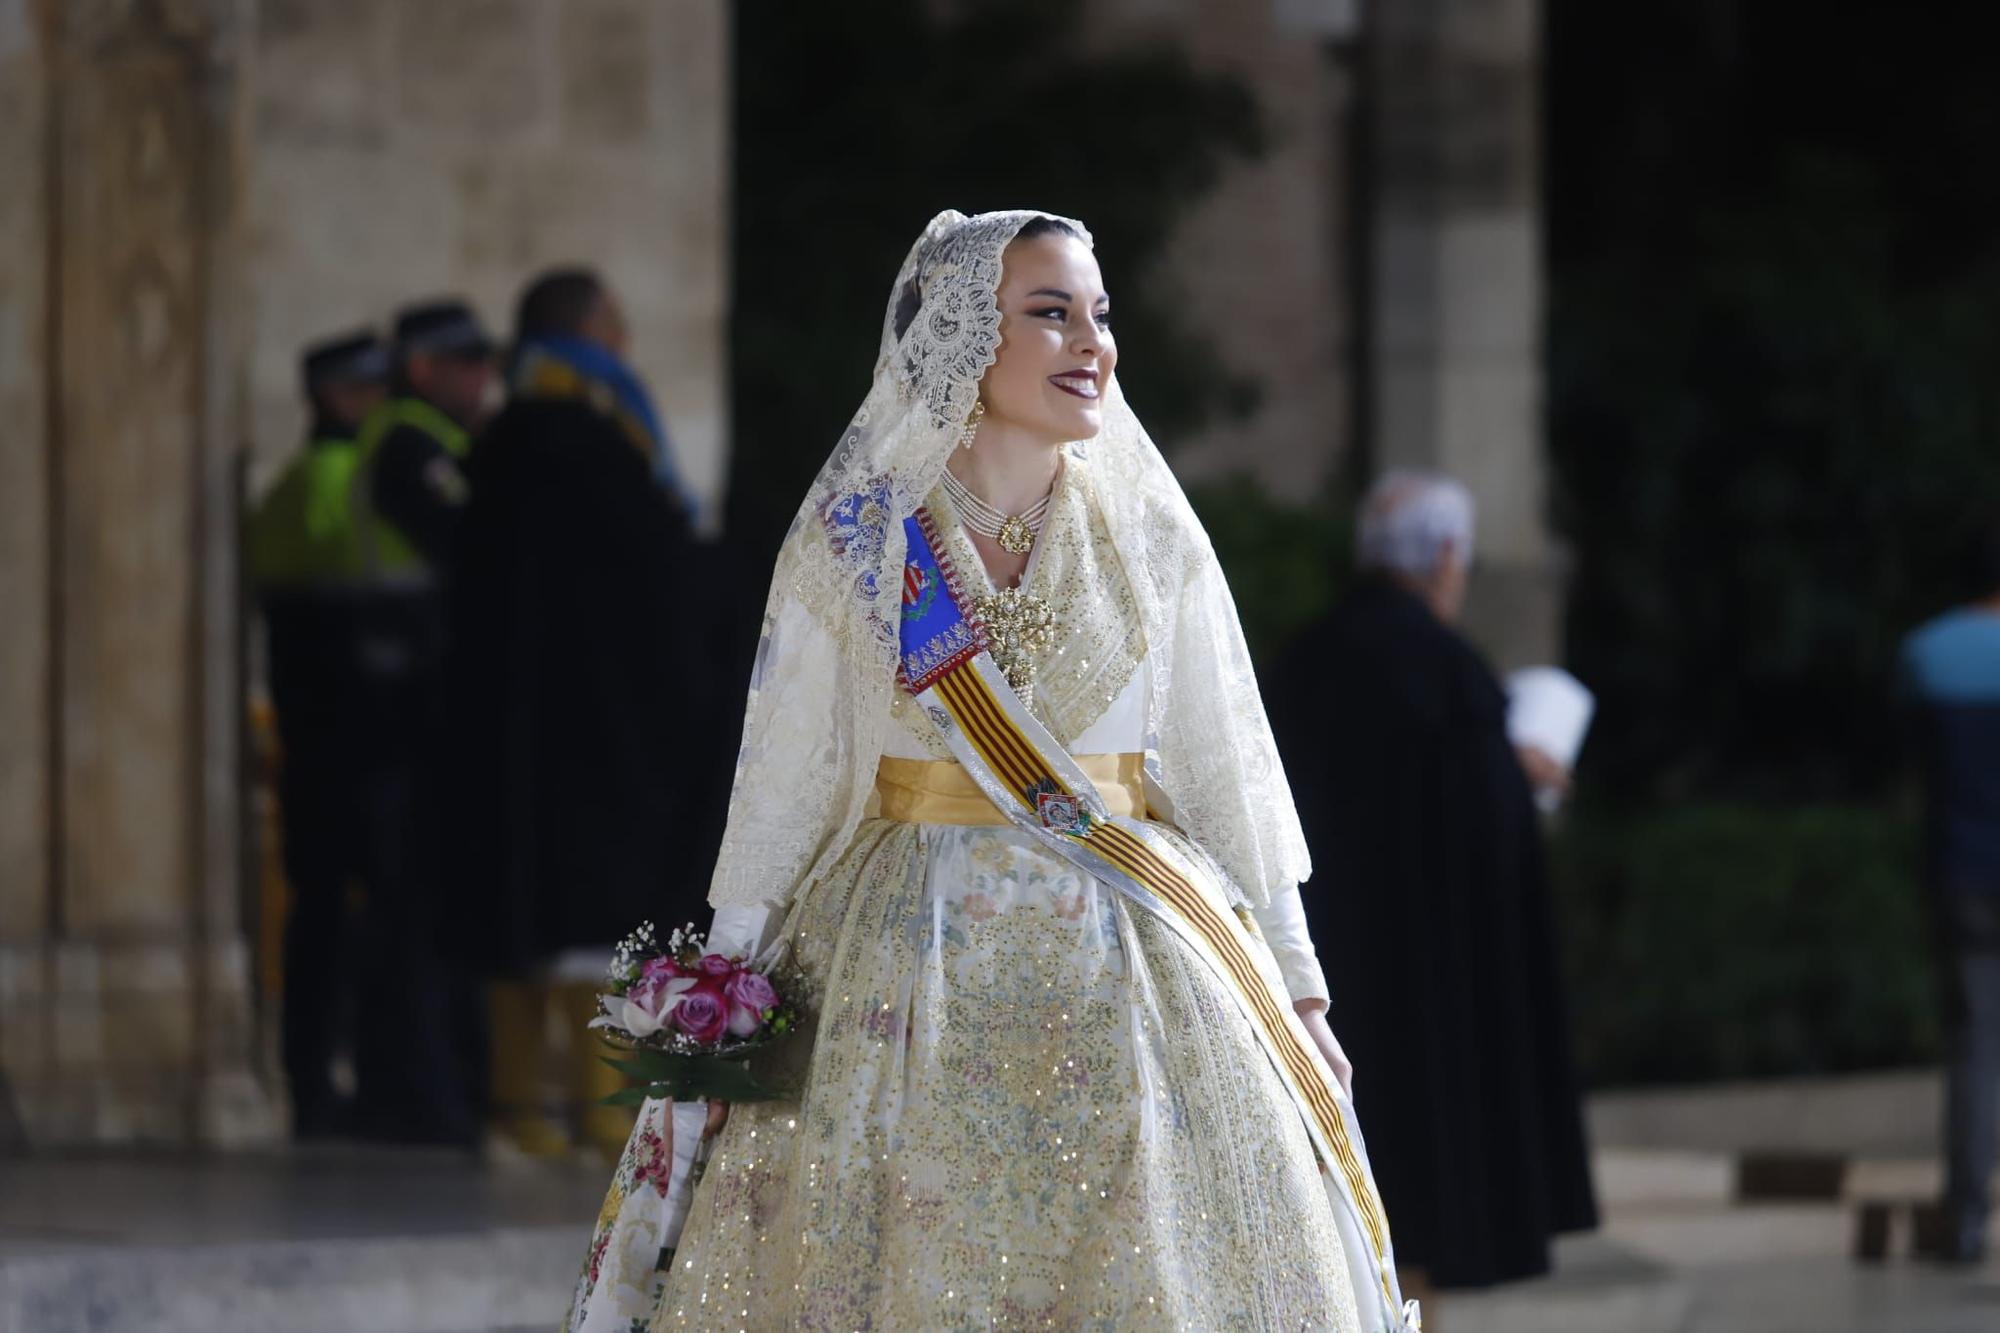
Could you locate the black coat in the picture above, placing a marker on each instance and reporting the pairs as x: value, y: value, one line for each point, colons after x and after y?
x: 310, y: 636
x: 1430, y: 912
x: 579, y: 753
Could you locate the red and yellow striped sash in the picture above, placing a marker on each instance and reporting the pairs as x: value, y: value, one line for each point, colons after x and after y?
x: 999, y: 743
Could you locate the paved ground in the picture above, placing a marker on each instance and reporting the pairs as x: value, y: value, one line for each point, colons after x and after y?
x: 67, y: 1203
x: 1676, y: 1255
x: 401, y: 1243
x: 1731, y: 1273
x: 335, y: 1241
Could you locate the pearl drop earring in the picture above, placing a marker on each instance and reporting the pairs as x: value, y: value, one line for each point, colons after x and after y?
x: 965, y: 437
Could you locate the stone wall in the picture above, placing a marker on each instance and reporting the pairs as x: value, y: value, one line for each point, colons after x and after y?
x: 1264, y: 258
x: 189, y: 189
x: 1259, y: 264
x: 1457, y: 283
x: 405, y: 150
x: 1390, y: 232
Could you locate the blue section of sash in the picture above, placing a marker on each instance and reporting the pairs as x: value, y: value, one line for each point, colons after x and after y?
x: 936, y: 635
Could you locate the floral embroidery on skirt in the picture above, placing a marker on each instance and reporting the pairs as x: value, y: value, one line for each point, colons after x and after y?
x: 1028, y: 1106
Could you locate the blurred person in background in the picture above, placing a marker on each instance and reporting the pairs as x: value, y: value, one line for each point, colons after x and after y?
x: 418, y: 1045
x: 298, y: 549
x: 411, y: 484
x: 571, y: 751
x: 1429, y: 904
x: 1949, y: 680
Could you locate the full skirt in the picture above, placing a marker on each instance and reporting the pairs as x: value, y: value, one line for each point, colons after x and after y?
x: 1028, y: 1105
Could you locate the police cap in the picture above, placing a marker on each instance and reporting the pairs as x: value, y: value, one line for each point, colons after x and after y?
x: 441, y: 328
x: 357, y: 357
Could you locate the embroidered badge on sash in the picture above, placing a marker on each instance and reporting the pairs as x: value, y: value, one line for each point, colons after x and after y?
x: 936, y: 636
x: 919, y: 588
x: 1060, y: 812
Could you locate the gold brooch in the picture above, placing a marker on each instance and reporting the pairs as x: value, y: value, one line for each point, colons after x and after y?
x: 1015, y: 536
x: 1020, y: 627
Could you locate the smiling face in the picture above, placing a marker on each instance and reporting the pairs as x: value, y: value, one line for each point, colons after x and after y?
x: 1056, y: 351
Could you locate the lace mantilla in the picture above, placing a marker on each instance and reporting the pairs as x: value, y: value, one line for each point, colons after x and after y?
x: 822, y: 689
x: 953, y: 276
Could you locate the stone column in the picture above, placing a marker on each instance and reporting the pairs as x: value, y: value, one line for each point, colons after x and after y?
x: 123, y: 969
x: 1456, y: 379
x: 24, y: 564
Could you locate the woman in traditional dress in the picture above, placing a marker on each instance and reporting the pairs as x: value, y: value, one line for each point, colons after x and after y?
x: 1009, y: 816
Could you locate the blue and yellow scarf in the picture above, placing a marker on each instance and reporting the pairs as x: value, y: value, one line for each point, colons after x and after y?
x: 568, y: 367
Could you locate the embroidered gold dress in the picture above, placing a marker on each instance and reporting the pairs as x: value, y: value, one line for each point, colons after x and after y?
x: 1028, y: 1104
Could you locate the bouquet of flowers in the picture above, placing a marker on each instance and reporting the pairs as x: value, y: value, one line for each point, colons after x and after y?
x: 690, y: 1021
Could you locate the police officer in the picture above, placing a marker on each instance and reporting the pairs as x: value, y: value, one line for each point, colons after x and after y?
x: 419, y: 1039
x: 298, y: 560
x: 409, y: 485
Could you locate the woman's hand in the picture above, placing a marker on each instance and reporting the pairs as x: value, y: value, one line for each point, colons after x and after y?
x: 1313, y: 1014
x: 718, y: 1114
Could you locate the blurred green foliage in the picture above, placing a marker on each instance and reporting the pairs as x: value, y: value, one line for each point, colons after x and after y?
x: 1774, y: 423
x: 1773, y: 411
x: 1726, y: 941
x: 1286, y: 563
x: 852, y: 131
x: 1769, y: 479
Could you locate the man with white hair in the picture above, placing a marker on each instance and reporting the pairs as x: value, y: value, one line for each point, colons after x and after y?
x: 1418, y: 527
x: 1429, y: 905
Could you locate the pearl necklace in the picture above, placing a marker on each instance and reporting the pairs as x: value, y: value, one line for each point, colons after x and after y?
x: 1015, y: 533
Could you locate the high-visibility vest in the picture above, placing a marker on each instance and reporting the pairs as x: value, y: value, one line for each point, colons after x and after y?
x: 379, y: 551
x: 299, y: 536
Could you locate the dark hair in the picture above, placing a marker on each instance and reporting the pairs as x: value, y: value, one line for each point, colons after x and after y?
x: 557, y: 303
x: 912, y: 299
x: 1045, y: 226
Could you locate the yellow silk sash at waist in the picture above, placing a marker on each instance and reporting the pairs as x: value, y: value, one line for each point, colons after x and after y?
x: 940, y: 791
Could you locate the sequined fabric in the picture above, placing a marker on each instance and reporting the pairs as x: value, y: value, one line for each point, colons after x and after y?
x: 1028, y: 1107
x: 1098, y: 640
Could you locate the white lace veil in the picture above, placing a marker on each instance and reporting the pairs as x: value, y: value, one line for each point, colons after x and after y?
x: 821, y: 688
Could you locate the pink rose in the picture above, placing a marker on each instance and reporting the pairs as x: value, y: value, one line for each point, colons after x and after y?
x: 662, y: 967
x: 749, y: 995
x: 703, y: 1014
x: 715, y: 965
x: 753, y: 989
x: 645, y: 1008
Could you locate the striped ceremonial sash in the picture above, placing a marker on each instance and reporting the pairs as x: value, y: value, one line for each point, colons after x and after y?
x: 1038, y: 785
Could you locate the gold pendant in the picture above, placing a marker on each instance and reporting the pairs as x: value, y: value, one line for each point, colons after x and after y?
x: 1019, y: 627
x: 1015, y: 536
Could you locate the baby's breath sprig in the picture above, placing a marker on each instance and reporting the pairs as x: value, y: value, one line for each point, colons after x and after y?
x: 629, y: 958
x: 630, y: 955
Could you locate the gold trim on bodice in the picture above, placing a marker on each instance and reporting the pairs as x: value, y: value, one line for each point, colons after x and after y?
x: 1096, y: 640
